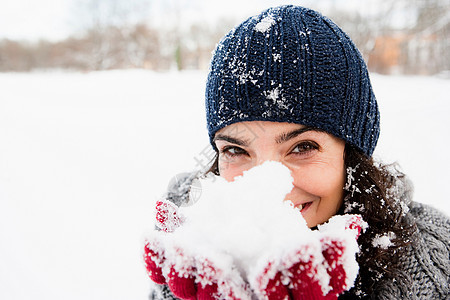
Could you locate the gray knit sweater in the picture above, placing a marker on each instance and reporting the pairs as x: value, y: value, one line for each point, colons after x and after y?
x: 427, y: 261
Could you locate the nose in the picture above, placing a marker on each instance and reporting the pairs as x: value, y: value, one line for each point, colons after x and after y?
x: 274, y: 157
x: 267, y: 156
x: 270, y: 156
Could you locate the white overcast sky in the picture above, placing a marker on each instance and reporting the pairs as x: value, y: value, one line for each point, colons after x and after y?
x: 31, y: 19
x: 55, y: 19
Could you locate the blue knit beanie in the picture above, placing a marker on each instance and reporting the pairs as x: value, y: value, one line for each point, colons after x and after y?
x: 291, y: 64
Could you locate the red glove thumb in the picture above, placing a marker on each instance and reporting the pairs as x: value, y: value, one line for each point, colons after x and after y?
x: 167, y: 217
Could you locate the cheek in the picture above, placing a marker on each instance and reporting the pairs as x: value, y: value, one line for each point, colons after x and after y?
x: 322, y: 181
x: 229, y: 170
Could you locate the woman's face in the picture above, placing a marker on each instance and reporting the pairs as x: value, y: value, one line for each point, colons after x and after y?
x: 315, y: 158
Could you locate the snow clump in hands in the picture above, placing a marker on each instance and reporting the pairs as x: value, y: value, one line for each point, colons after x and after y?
x: 256, y: 242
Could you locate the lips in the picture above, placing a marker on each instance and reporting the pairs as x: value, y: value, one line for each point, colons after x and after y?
x: 303, y: 207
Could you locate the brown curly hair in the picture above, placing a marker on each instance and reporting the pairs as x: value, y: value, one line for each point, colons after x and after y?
x: 380, y: 193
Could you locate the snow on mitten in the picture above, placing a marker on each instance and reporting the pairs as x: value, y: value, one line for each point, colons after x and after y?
x: 320, y: 268
x: 339, y: 248
x: 193, y: 276
x: 167, y: 219
x: 167, y: 216
x: 188, y: 275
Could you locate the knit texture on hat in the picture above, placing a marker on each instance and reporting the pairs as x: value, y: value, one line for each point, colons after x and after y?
x: 291, y: 64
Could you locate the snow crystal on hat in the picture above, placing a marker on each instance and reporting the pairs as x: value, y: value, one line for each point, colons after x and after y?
x: 291, y: 64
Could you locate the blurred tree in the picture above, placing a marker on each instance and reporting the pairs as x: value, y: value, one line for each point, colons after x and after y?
x: 114, y: 30
x: 405, y: 36
x: 428, y: 48
x: 16, y: 56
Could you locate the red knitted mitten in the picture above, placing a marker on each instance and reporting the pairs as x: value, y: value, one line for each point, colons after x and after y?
x: 189, y: 275
x: 321, y: 268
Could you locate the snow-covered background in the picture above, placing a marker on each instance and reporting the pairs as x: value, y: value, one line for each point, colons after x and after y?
x: 84, y: 156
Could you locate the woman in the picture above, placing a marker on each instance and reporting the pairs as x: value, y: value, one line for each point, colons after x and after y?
x: 289, y: 85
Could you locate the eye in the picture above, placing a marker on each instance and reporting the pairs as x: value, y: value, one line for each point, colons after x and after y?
x: 232, y: 151
x: 306, y: 147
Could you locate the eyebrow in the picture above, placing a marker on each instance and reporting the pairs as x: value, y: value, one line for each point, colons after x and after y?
x: 282, y: 138
x: 227, y: 138
x: 286, y: 136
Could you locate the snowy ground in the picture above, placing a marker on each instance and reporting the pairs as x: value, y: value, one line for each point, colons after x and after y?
x: 83, y: 157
